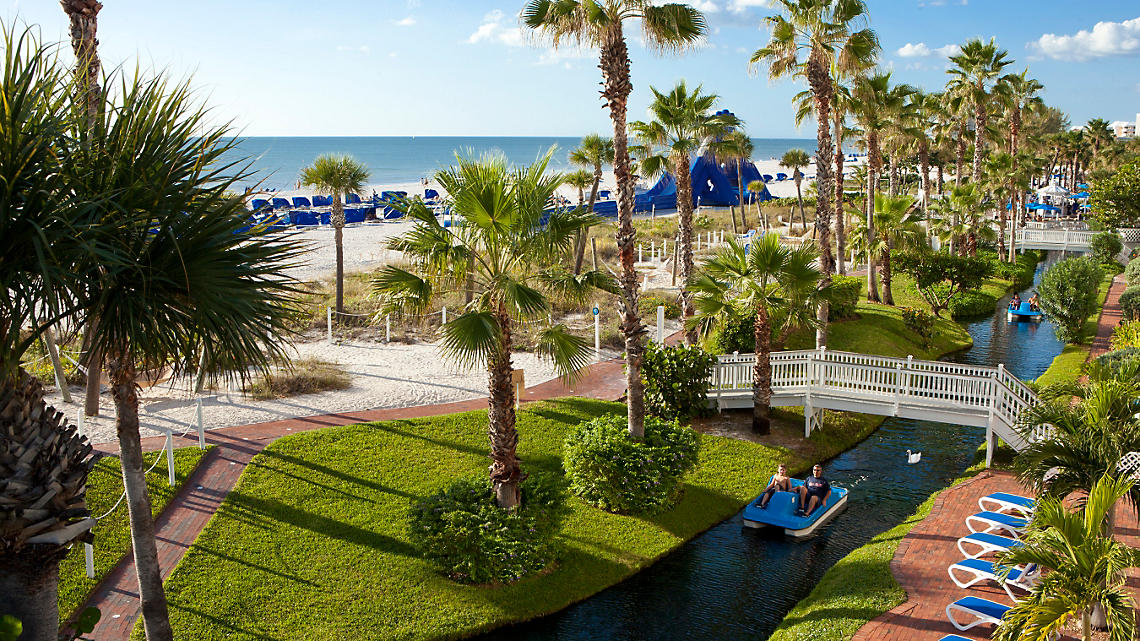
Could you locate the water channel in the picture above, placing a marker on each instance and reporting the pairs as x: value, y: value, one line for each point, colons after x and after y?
x: 736, y: 583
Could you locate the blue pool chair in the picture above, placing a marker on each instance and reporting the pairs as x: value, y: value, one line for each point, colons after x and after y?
x: 781, y: 177
x: 981, y: 611
x: 991, y: 521
x: 1006, y: 502
x: 305, y: 218
x: 354, y: 215
x: 282, y: 203
x: 259, y: 203
x: 352, y: 199
x: 301, y: 201
x: 986, y: 544
x: 322, y: 201
x: 766, y: 178
x: 954, y: 637
x: 430, y: 194
x: 969, y: 572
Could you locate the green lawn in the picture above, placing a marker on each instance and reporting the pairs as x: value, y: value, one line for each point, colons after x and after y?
x: 311, y: 544
x: 1069, y: 365
x: 112, y: 534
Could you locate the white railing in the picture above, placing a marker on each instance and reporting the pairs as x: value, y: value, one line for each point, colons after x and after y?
x: 935, y: 390
x: 1054, y: 239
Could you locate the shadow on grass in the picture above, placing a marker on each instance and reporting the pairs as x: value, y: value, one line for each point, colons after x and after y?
x: 391, y: 428
x: 254, y: 566
x: 220, y: 623
x: 267, y: 512
x: 678, y: 520
x: 328, y: 471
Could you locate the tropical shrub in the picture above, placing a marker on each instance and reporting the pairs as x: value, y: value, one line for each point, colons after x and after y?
x: 473, y: 540
x: 1118, y: 361
x: 1132, y: 272
x: 920, y: 322
x: 940, y: 276
x: 1115, y: 202
x: 844, y: 296
x: 611, y: 470
x: 1019, y: 273
x: 1130, y: 303
x: 1068, y: 294
x: 676, y: 380
x: 972, y: 304
x: 650, y: 301
x: 1105, y: 247
x: 1127, y: 334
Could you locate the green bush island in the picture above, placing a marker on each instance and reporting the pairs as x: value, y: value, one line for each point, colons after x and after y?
x: 844, y: 296
x: 940, y: 276
x: 677, y: 380
x: 1130, y: 302
x: 972, y: 304
x: 1132, y: 272
x: 620, y: 474
x: 1069, y: 295
x: 920, y: 322
x: 473, y: 540
x: 1105, y: 247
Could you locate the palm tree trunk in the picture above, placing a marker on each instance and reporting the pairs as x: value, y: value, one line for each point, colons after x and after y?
x: 819, y: 77
x: 941, y: 182
x: 506, y: 472
x: 840, y: 223
x: 29, y: 590
x: 800, y: 198
x: 740, y: 184
x: 1086, y: 626
x: 762, y: 373
x: 893, y: 176
x: 888, y: 298
x: 924, y: 182
x: 337, y: 220
x: 581, y: 249
x: 872, y: 189
x: 960, y: 152
x: 685, y: 222
x: 615, y: 93
x: 156, y: 615
x: 94, y: 377
x: 979, y: 139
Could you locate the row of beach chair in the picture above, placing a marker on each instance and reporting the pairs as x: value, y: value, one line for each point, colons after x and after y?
x: 1003, y: 519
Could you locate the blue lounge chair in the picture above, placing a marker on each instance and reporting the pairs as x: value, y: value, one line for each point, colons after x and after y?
x: 982, y: 610
x: 352, y: 199
x: 766, y: 178
x: 305, y: 218
x: 430, y: 194
x: 1006, y: 502
x: 259, y: 203
x: 954, y: 637
x: 969, y: 572
x: 353, y: 215
x: 322, y: 201
x: 301, y: 201
x: 991, y: 521
x: 986, y: 543
x: 604, y: 193
x: 780, y: 177
x: 282, y: 203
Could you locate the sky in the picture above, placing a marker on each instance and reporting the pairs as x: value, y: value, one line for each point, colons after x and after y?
x: 450, y: 68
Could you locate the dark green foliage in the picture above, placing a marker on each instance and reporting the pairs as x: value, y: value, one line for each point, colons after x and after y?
x: 1069, y: 295
x: 1132, y: 272
x: 1019, y: 273
x: 1130, y: 302
x: 1105, y: 246
x: 475, y: 541
x: 843, y: 296
x: 619, y: 474
x: 734, y: 334
x: 677, y: 380
x: 919, y: 322
x: 1115, y: 201
x: 1116, y: 361
x: 940, y: 276
x: 649, y: 302
x: 972, y: 304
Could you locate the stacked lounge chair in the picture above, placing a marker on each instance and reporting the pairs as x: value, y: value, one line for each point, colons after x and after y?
x: 301, y: 201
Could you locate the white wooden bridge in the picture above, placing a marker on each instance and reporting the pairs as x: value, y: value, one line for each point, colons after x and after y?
x: 1057, y: 239
x: 937, y: 391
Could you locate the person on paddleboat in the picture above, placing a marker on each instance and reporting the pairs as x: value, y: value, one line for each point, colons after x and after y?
x: 1015, y: 302
x: 1034, y: 302
x: 814, y: 492
x: 781, y: 482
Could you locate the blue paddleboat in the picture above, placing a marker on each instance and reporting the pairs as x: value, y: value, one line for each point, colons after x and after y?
x: 1023, y: 313
x: 781, y: 512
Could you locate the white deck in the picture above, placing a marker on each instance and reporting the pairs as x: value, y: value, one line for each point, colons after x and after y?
x: 938, y: 391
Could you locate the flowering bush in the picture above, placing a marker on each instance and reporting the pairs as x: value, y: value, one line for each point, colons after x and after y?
x: 919, y: 322
x: 475, y: 541
x: 615, y: 472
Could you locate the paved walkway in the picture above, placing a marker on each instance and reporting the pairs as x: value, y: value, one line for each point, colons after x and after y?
x: 201, y: 495
x: 1110, y: 317
x: 921, y: 561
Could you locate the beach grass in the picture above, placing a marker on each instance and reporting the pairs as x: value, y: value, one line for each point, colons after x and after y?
x: 303, y: 376
x: 312, y: 543
x: 112, y: 534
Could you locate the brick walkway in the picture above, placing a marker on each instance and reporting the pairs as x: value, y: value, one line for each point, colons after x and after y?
x: 201, y: 495
x: 1110, y: 317
x: 923, y: 556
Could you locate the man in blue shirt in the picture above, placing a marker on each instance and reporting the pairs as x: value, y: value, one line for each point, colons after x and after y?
x: 814, y: 492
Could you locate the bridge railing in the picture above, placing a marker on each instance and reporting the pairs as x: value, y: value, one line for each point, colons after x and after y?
x: 1055, y: 237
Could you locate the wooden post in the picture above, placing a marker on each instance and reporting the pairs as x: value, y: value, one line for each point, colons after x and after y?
x: 518, y: 379
x: 594, y: 257
x: 170, y: 457
x: 89, y: 559
x: 48, y: 338
x: 329, y: 315
x: 445, y: 315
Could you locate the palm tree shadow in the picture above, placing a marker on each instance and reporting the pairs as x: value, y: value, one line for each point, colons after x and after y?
x: 328, y: 471
x: 254, y: 566
x: 390, y: 427
x: 219, y: 623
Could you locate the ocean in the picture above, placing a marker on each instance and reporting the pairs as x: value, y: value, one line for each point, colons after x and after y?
x: 278, y: 161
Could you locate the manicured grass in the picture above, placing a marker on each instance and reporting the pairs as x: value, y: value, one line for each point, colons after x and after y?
x: 312, y: 543
x: 112, y: 534
x: 1069, y: 365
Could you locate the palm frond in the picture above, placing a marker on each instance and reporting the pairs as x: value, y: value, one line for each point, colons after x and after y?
x: 570, y: 354
x: 471, y: 338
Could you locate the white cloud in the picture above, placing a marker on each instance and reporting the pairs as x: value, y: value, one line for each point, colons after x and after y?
x: 740, y: 6
x: 706, y: 6
x: 920, y: 50
x: 406, y: 22
x: 495, y: 29
x: 360, y: 49
x: 1105, y: 39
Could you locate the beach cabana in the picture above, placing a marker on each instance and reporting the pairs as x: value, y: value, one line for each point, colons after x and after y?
x: 1052, y: 190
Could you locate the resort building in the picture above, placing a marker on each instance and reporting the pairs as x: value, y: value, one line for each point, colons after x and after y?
x: 1126, y: 129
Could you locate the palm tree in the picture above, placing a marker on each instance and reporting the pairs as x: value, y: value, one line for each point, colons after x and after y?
x: 580, y: 180
x: 668, y: 27
x: 926, y: 107
x: 593, y: 153
x: 736, y: 147
x: 766, y: 278
x: 51, y: 244
x: 809, y: 38
x: 961, y: 222
x: 1086, y: 569
x: 976, y: 71
x: 796, y: 159
x: 341, y: 175
x: 1100, y: 134
x: 510, y: 253
x: 683, y: 122
x: 1022, y: 99
x: 897, y: 226
x: 192, y: 281
x: 758, y: 187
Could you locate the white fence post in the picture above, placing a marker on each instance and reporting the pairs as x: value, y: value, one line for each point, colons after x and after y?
x: 170, y: 457
x: 387, y: 328
x: 330, y: 323
x: 79, y: 427
x: 640, y: 257
x: 89, y: 559
x: 664, y: 249
x: 660, y: 324
x: 201, y: 427
x: 597, y: 334
x: 445, y: 315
